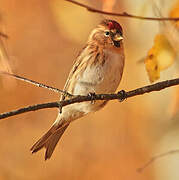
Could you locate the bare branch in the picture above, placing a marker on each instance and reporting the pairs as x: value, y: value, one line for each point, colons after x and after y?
x: 29, y: 108
x: 156, y: 158
x: 124, y: 14
x: 77, y: 99
x: 37, y: 83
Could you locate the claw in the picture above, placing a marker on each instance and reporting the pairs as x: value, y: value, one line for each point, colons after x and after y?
x: 92, y: 95
x: 122, y: 95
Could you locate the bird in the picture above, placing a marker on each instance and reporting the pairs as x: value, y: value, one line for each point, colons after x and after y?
x: 97, y: 69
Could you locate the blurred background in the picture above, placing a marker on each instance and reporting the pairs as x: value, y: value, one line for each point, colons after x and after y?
x: 44, y: 39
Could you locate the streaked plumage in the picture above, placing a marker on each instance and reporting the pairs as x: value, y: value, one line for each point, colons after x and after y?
x: 97, y: 69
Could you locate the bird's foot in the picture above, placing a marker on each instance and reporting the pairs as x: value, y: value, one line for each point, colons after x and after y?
x: 92, y: 96
x: 122, y: 95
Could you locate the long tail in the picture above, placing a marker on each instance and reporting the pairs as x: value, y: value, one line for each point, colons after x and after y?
x: 49, y: 140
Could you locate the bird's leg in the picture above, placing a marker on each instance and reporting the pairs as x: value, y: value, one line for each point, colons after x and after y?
x: 60, y: 107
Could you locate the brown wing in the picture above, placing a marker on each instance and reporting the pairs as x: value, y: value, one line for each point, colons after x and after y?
x: 86, y: 57
x: 76, y: 64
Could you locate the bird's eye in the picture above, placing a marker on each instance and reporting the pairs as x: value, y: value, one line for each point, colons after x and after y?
x: 107, y: 33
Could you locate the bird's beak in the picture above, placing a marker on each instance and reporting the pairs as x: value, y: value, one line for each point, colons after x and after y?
x: 117, y: 37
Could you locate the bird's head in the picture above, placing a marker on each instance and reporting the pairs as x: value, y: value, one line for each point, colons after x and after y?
x: 108, y: 34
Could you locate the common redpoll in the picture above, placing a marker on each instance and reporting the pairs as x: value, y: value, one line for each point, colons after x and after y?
x: 97, y: 69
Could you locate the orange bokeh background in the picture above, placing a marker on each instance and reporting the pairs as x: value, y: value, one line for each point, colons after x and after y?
x: 44, y: 39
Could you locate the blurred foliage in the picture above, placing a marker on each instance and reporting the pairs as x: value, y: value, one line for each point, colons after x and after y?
x: 45, y: 37
x: 68, y: 16
x: 159, y: 57
x: 165, y: 48
x: 6, y: 82
x: 175, y: 12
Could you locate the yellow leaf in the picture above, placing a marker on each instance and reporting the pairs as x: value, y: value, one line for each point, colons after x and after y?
x: 159, y: 57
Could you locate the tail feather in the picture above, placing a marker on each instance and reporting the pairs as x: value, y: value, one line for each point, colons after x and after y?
x: 52, y: 142
x: 49, y: 140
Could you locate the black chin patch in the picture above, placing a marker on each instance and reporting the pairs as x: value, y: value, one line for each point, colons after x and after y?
x: 117, y: 43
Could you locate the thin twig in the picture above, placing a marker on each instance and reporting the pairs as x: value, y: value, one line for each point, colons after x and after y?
x: 37, y: 83
x: 77, y: 99
x: 156, y: 158
x: 124, y: 14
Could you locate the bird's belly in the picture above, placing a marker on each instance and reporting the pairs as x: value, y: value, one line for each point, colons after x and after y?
x: 100, y: 78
